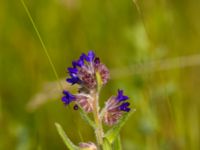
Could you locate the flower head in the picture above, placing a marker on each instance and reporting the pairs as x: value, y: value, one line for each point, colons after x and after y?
x: 83, y: 71
x: 115, y: 107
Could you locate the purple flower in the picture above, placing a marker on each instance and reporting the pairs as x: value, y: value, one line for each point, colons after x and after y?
x: 84, y: 71
x: 115, y: 107
x: 74, y: 79
x: 124, y: 107
x: 121, y: 97
x: 73, y: 70
x: 80, y: 61
x: 68, y: 97
x: 90, y: 57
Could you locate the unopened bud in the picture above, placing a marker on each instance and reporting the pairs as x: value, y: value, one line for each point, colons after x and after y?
x: 87, y: 146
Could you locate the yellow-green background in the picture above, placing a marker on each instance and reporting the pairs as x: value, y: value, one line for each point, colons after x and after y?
x: 167, y: 100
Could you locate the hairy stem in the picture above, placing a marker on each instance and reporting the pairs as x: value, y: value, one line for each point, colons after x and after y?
x: 99, y: 129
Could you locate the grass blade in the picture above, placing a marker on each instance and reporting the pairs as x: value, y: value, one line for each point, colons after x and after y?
x: 42, y: 43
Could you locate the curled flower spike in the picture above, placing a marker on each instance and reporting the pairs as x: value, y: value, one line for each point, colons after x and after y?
x: 84, y: 71
x: 115, y: 107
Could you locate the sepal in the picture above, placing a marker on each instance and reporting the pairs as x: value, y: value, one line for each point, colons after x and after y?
x: 106, y: 144
x: 113, y: 133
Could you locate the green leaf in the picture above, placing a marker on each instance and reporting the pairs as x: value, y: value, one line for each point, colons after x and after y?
x: 86, y: 118
x: 65, y: 138
x: 106, y: 144
x: 117, y: 144
x: 112, y: 134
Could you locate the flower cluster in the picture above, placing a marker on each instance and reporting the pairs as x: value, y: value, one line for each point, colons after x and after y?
x: 90, y: 74
x: 115, y: 106
x: 84, y: 73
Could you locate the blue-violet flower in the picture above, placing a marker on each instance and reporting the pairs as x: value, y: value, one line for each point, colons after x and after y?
x: 68, y: 97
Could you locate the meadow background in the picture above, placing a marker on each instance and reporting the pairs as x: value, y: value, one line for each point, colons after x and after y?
x: 152, y: 48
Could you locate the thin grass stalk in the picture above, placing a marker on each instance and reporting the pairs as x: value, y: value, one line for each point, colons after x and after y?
x: 42, y: 43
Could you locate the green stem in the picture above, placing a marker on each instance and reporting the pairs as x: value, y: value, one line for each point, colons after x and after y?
x: 99, y: 129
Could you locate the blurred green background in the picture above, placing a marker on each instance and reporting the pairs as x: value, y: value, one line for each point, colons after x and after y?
x: 152, y: 48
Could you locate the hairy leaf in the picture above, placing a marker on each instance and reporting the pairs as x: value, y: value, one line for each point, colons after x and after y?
x: 117, y: 144
x: 112, y: 134
x: 65, y: 138
x: 106, y: 144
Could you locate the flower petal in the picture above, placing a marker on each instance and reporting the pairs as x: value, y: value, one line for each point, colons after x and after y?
x: 124, y: 107
x: 68, y: 97
x: 73, y: 80
x: 72, y: 70
x: 121, y: 97
x: 90, y: 56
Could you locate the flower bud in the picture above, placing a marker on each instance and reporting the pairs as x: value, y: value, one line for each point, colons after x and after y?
x: 87, y: 146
